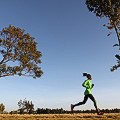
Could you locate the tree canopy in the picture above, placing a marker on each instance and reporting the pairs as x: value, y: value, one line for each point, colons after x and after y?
x: 25, y: 106
x: 111, y: 10
x: 18, y: 53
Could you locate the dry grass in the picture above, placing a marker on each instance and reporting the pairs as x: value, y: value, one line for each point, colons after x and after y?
x: 60, y: 117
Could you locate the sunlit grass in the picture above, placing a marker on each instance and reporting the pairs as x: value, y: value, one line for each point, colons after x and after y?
x: 60, y: 117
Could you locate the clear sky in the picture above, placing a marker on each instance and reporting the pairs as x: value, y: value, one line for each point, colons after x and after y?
x: 72, y: 41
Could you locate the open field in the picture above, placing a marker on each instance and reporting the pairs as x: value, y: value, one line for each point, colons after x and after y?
x: 60, y: 117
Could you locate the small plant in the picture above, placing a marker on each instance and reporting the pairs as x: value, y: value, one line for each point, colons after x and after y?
x: 2, y: 108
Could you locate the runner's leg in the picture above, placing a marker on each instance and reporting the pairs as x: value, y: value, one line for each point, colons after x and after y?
x: 83, y: 102
x: 94, y: 101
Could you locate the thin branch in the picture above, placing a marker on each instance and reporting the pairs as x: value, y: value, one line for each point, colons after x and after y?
x: 117, y: 34
x: 7, y: 60
x: 16, y: 74
x: 2, y: 61
x: 6, y: 75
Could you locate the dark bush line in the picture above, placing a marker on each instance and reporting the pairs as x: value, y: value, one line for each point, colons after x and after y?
x: 61, y: 111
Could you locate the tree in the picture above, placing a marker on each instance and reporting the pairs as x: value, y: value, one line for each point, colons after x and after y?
x: 111, y: 10
x: 26, y: 106
x: 18, y: 53
x: 2, y: 108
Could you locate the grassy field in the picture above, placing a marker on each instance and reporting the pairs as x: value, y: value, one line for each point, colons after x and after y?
x: 60, y: 117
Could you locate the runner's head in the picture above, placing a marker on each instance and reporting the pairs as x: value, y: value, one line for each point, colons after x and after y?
x: 89, y: 76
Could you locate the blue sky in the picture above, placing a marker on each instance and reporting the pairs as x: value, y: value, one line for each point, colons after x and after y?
x: 72, y: 41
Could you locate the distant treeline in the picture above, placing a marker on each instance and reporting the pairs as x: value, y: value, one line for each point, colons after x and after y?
x: 27, y: 107
x: 61, y: 111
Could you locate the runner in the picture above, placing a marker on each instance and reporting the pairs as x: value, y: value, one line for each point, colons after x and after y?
x: 88, y: 94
